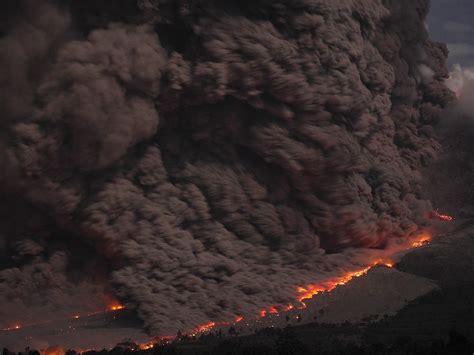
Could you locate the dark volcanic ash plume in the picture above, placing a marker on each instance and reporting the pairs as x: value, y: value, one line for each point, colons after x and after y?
x: 208, y: 156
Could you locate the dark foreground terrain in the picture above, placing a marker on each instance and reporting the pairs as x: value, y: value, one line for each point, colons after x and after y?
x: 417, y: 330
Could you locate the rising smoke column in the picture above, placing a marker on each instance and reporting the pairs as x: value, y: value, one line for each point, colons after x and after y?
x: 214, y: 156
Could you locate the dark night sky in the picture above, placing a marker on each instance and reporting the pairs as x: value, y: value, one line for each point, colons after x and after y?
x: 451, y: 22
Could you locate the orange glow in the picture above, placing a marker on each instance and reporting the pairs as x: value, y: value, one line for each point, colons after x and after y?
x: 156, y: 341
x: 273, y: 310
x: 441, y: 216
x: 146, y: 346
x: 14, y: 327
x: 116, y: 307
x: 307, y: 292
x: 302, y: 292
x: 53, y: 350
x: 422, y: 240
x: 203, y: 328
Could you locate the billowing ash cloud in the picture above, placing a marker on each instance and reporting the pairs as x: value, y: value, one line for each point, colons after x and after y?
x: 212, y: 156
x: 450, y: 182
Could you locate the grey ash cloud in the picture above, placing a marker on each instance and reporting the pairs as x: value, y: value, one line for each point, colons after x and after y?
x: 450, y: 179
x: 213, y: 156
x: 450, y: 21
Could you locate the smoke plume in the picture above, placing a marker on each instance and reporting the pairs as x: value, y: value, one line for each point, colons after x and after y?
x: 450, y: 180
x: 208, y: 157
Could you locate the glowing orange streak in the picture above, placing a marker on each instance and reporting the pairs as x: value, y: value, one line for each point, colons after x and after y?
x: 305, y: 292
x: 157, y: 341
x: 15, y: 327
x: 112, y: 308
x: 203, y: 328
x: 116, y: 307
x: 309, y: 291
x: 441, y: 217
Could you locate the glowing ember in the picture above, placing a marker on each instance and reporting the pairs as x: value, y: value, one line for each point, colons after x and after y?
x: 162, y: 340
x: 441, y: 217
x: 116, y: 307
x: 203, y: 328
x: 421, y: 242
x: 238, y: 319
x: 309, y: 291
x: 273, y: 310
x: 146, y: 346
